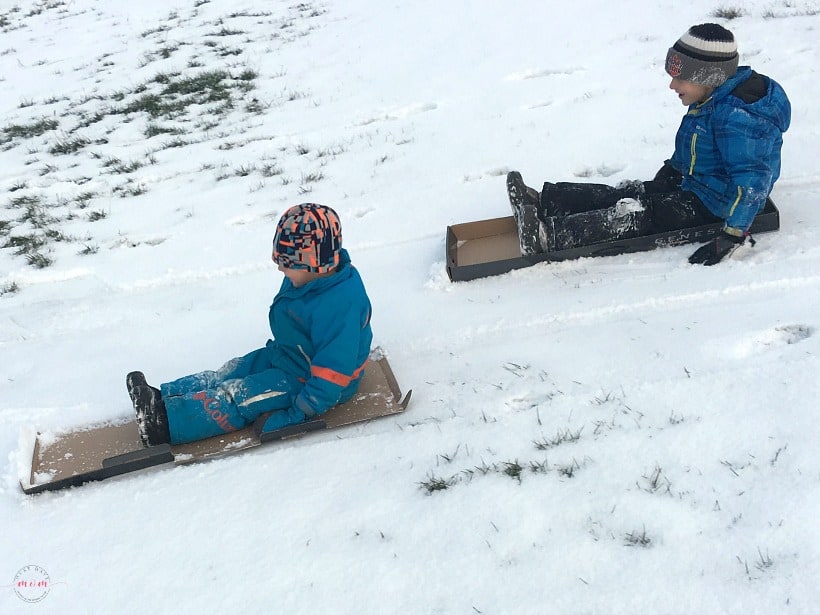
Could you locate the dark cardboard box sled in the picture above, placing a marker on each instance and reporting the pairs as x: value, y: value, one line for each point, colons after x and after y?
x: 111, y: 449
x: 490, y: 247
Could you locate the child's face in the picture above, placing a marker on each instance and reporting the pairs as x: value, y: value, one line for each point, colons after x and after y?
x: 298, y: 277
x: 690, y: 93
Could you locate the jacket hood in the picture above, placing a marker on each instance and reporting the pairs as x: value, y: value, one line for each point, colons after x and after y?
x: 758, y: 95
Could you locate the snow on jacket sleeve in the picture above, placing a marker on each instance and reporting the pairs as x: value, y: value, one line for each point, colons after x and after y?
x: 337, y: 331
x: 745, y: 142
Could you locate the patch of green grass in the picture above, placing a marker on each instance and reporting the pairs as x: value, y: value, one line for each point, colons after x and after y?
x: 25, y: 244
x: 27, y: 131
x: 9, y: 288
x: 513, y: 469
x: 271, y: 170
x: 637, y: 539
x: 256, y: 106
x: 158, y: 30
x: 309, y: 178
x: 434, y: 483
x: 130, y: 189
x: 37, y: 216
x: 179, y: 93
x: 559, y: 438
x: 210, y: 84
x: 153, y: 129
x: 728, y: 12
x: 178, y: 142
x: 332, y: 151
x: 249, y: 14
x: 39, y: 260
x: 244, y: 170
x: 23, y: 201
x: 84, y: 198
x: 44, y: 5
x: 226, y: 32
x: 69, y: 145
x: 295, y: 95
x: 118, y: 166
x: 224, y: 52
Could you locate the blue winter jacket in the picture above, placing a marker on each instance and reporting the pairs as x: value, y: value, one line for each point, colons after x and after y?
x: 728, y: 148
x: 322, y: 336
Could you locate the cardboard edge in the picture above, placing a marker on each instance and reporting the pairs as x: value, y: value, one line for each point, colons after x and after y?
x: 110, y: 467
x: 384, y: 365
x: 35, y: 454
x: 291, y: 431
x: 139, y: 459
x: 64, y: 483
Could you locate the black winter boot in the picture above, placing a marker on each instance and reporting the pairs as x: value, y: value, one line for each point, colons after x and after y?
x: 152, y: 419
x: 524, y: 203
x: 134, y: 379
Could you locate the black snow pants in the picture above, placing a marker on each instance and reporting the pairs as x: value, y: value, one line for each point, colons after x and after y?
x: 576, y: 214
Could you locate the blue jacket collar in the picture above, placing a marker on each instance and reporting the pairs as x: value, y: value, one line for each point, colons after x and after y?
x: 343, y: 271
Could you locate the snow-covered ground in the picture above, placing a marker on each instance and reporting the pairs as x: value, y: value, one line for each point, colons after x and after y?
x: 621, y: 435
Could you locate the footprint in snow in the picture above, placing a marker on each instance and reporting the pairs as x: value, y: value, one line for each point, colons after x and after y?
x: 489, y: 173
x: 397, y: 113
x: 778, y: 336
x: 603, y: 170
x: 540, y: 73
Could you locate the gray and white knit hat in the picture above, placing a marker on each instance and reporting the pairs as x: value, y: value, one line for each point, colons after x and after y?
x: 706, y: 54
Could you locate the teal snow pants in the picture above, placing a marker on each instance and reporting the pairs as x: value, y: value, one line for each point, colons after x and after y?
x: 212, y: 403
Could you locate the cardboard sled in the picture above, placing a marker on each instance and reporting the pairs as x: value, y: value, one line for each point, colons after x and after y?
x: 111, y: 449
x: 490, y: 247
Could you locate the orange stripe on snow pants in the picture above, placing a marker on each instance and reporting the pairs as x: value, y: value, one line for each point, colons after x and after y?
x: 331, y: 375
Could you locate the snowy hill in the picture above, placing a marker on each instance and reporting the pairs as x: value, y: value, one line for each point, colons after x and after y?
x: 621, y: 435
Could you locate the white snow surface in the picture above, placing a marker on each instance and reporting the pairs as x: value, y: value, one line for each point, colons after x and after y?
x: 628, y: 434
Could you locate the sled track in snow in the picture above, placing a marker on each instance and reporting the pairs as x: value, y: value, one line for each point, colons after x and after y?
x: 466, y: 335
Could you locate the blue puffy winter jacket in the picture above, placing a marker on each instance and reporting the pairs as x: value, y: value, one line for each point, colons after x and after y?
x: 728, y: 148
x: 322, y: 335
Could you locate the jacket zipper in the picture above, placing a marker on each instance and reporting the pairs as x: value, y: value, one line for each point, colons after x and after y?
x: 693, y: 153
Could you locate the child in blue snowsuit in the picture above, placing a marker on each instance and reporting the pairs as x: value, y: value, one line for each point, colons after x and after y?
x: 726, y: 160
x: 320, y: 320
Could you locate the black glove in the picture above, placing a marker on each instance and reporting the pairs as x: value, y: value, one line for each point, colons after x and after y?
x: 717, y: 249
x: 667, y: 179
x: 668, y: 174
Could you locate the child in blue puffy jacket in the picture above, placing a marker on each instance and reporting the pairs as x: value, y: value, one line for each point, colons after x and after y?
x: 726, y: 160
x: 320, y: 320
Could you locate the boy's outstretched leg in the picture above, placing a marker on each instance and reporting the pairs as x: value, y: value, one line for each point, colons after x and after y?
x: 524, y: 203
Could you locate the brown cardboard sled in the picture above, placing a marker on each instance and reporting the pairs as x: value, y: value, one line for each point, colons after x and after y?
x: 111, y: 449
x: 490, y: 247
